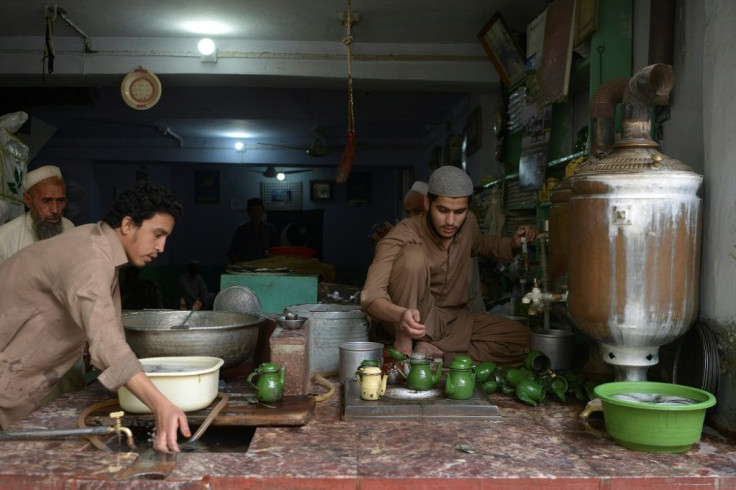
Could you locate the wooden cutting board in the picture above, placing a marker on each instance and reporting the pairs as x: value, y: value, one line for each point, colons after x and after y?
x: 241, y: 410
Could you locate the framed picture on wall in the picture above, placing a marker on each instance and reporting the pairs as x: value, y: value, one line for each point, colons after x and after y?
x: 207, y: 186
x: 503, y: 51
x: 320, y: 190
x: 281, y: 195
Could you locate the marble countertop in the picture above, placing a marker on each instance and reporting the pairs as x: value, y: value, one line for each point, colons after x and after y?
x: 546, y: 445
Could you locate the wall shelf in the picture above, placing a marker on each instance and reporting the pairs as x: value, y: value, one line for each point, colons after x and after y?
x: 552, y: 163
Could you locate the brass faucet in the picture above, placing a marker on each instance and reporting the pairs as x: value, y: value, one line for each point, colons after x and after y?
x: 119, y: 429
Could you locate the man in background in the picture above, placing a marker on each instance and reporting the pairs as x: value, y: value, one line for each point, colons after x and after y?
x: 45, y: 197
x: 252, y: 239
x: 192, y: 288
x: 413, y: 205
x: 414, y: 199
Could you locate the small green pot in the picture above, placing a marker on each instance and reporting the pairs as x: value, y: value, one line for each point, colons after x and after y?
x: 654, y: 428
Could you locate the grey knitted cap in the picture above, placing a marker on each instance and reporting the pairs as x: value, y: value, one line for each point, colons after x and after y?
x: 449, y: 181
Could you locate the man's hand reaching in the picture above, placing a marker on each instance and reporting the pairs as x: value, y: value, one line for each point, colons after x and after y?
x: 410, y: 324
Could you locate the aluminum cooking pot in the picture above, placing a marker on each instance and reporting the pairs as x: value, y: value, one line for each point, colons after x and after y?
x: 229, y: 335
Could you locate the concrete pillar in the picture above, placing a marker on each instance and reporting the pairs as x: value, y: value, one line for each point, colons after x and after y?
x: 717, y: 305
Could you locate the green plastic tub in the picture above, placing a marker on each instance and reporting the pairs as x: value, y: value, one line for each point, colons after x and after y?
x: 650, y: 427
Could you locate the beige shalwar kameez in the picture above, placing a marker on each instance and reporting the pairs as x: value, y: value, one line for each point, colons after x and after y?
x: 55, y: 296
x: 413, y: 270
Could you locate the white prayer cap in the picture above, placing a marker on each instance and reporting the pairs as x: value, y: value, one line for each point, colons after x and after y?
x: 41, y: 173
x: 420, y: 187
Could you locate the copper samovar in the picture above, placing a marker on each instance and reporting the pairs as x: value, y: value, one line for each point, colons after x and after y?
x: 634, y: 238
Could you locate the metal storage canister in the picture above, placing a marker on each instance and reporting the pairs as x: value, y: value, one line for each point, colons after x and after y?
x: 558, y: 345
x: 635, y: 226
x: 329, y: 326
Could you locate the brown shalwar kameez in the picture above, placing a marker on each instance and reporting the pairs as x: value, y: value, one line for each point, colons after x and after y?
x: 411, y: 269
x: 55, y: 296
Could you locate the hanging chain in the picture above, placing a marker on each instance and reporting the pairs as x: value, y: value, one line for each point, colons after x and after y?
x: 348, y: 41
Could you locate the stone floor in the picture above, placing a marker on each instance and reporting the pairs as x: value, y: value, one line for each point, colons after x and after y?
x: 547, y: 446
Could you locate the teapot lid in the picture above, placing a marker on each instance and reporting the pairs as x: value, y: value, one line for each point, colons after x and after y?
x: 461, y: 362
x: 419, y: 359
x: 371, y: 371
x: 269, y: 367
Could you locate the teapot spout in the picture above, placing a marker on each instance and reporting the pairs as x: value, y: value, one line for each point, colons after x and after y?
x: 283, y: 375
x: 384, y: 381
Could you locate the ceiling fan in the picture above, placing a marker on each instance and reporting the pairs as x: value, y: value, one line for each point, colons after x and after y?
x: 270, y: 171
x: 318, y: 147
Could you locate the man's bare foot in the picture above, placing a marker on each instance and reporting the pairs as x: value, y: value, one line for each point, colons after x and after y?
x: 427, y: 348
x: 403, y: 344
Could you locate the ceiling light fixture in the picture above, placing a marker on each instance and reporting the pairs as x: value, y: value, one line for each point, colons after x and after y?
x: 280, y: 176
x: 207, y: 49
x: 206, y: 27
x: 239, y: 146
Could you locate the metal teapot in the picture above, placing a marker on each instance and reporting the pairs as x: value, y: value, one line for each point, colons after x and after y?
x: 270, y: 385
x: 372, y: 383
x: 420, y: 377
x: 460, y: 382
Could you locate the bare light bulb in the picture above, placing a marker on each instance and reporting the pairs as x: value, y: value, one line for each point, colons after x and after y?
x: 280, y: 176
x: 206, y: 46
x: 239, y: 145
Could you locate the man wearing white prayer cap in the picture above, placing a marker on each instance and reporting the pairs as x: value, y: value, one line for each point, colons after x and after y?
x: 413, y: 204
x: 417, y: 283
x: 44, y: 194
x: 414, y: 199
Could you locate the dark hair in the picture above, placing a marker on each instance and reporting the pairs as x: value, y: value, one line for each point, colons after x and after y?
x: 255, y: 201
x: 141, y: 203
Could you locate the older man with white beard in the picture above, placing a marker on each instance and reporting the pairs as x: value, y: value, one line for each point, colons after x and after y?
x: 45, y: 197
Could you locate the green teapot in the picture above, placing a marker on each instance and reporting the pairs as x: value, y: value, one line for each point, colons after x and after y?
x: 558, y: 385
x: 530, y: 391
x: 490, y: 386
x: 515, y: 375
x: 484, y: 370
x: 460, y: 382
x: 420, y: 377
x: 270, y: 385
x: 537, y: 361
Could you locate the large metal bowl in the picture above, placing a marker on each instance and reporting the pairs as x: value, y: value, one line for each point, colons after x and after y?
x: 228, y: 335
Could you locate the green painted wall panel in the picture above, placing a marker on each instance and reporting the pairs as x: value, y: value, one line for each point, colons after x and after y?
x: 276, y: 291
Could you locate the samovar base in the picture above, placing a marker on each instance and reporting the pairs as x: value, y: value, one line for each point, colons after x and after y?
x: 630, y: 363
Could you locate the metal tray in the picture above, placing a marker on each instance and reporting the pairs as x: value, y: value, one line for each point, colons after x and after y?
x: 479, y: 407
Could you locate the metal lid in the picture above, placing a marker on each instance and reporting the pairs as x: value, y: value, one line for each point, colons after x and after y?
x: 461, y: 362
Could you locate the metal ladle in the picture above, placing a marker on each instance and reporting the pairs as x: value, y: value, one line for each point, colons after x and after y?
x: 184, y: 325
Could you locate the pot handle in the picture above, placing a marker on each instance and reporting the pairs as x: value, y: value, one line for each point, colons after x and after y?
x: 249, y: 379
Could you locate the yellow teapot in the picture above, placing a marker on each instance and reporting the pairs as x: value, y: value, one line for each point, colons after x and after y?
x: 372, y: 382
